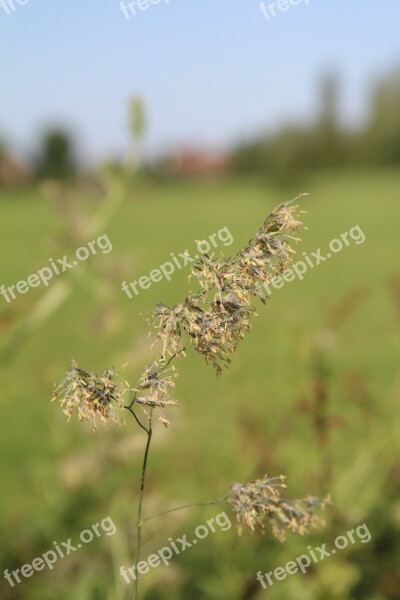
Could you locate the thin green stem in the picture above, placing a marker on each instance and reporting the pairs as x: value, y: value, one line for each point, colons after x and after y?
x: 184, y: 506
x: 176, y: 354
x: 139, y: 513
x: 136, y: 418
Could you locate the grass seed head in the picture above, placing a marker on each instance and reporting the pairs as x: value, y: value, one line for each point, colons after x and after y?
x: 259, y: 504
x: 89, y: 395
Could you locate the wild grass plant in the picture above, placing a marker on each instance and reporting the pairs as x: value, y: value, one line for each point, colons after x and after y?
x: 211, y: 321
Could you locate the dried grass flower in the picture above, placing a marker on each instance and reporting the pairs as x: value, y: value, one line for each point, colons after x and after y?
x: 214, y: 319
x: 154, y: 384
x: 91, y: 396
x: 259, y: 503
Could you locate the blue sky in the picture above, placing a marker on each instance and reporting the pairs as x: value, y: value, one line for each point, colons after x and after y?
x: 210, y: 71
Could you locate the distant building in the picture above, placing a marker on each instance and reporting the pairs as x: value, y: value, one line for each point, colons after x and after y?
x: 14, y: 171
x: 202, y: 163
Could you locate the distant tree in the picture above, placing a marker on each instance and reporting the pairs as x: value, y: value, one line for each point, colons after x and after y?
x: 383, y: 131
x: 56, y: 159
x: 329, y: 100
x: 330, y: 143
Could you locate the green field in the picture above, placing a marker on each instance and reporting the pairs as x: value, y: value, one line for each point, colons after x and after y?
x: 58, y: 478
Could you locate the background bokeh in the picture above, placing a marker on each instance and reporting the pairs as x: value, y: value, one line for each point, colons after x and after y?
x: 160, y: 130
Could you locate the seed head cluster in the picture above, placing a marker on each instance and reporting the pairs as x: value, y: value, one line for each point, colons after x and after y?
x: 214, y: 319
x: 258, y: 504
x: 90, y: 396
x: 154, y: 385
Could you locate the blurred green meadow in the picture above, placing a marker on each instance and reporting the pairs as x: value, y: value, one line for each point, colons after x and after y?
x: 339, y: 327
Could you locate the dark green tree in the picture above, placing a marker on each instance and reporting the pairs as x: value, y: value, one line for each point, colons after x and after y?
x: 56, y: 156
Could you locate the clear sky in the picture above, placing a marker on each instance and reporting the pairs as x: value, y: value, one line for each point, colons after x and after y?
x: 211, y: 71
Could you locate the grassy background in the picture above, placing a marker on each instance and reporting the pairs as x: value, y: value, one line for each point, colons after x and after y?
x: 58, y: 479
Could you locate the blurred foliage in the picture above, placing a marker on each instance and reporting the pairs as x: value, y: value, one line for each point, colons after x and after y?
x: 382, y: 137
x: 138, y: 117
x: 56, y: 159
x: 295, y: 150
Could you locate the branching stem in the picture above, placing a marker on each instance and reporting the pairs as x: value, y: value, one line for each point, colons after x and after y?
x: 184, y: 506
